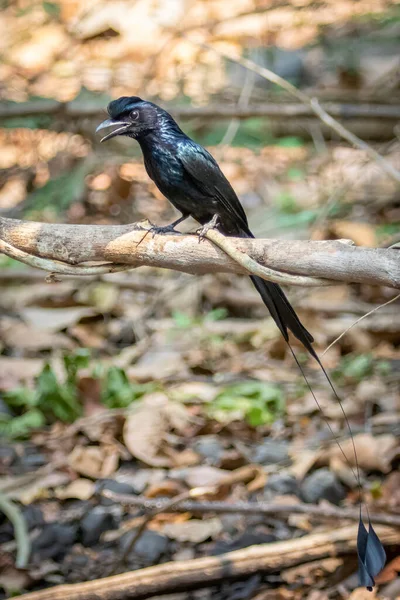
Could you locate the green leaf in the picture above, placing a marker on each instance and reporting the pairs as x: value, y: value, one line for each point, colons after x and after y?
x: 20, y: 397
x: 286, y: 203
x: 182, y: 320
x: 256, y: 402
x: 79, y: 359
x: 295, y: 174
x: 119, y: 392
x: 290, y: 141
x: 52, y: 9
x: 56, y: 399
x: 217, y: 314
x: 20, y: 427
x: 354, y: 367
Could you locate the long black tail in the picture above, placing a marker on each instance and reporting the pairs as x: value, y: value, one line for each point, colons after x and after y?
x: 283, y: 313
x: 371, y: 554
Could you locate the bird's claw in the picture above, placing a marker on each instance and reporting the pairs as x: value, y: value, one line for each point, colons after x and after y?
x: 155, y: 229
x: 212, y: 224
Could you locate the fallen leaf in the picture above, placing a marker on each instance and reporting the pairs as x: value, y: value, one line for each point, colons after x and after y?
x: 363, y: 594
x: 16, y: 371
x: 20, y: 336
x: 81, y: 489
x: 28, y: 492
x: 94, y: 461
x: 55, y: 319
x: 390, y: 572
x: 374, y: 453
x: 194, y: 391
x: 391, y: 491
x: 12, y: 579
x: 195, y: 530
x: 159, y: 364
x: 303, y: 460
x: 204, y: 476
x: 183, y: 458
x: 164, y: 488
x: 146, y: 427
x: 309, y: 573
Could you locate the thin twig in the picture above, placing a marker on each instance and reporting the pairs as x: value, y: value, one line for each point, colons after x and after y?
x: 249, y: 508
x: 13, y: 513
x: 56, y: 266
x: 358, y: 320
x: 311, y: 102
x: 254, y: 268
x: 168, y: 506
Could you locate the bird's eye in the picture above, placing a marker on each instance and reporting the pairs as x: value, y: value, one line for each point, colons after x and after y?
x: 134, y: 115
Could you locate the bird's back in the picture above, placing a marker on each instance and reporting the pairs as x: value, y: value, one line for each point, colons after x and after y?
x: 192, y: 181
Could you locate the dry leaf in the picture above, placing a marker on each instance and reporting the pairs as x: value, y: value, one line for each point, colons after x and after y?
x: 390, y: 572
x: 12, y: 578
x: 391, y: 491
x: 22, y: 337
x: 32, y: 491
x: 183, y: 458
x: 94, y: 461
x: 303, y: 460
x: 205, y: 476
x: 195, y: 530
x: 363, y: 594
x: 309, y: 573
x: 55, y: 319
x: 164, y: 488
x: 81, y: 489
x: 146, y: 427
x: 15, y: 371
x: 374, y: 453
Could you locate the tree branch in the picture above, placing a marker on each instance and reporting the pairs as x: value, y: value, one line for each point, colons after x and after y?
x: 287, y: 110
x: 189, y: 574
x: 120, y: 247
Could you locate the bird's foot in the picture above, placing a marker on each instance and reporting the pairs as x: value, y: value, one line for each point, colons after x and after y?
x: 163, y: 229
x: 212, y: 224
x: 156, y: 229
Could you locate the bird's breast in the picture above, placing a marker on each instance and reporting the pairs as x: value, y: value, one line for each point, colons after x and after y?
x: 164, y: 167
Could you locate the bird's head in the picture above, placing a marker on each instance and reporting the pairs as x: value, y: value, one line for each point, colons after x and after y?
x: 131, y: 116
x: 135, y: 118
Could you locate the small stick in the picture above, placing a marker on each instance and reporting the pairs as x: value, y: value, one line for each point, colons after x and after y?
x: 13, y: 513
x: 249, y: 508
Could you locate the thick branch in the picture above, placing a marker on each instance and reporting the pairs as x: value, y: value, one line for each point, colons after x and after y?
x: 119, y: 245
x: 215, y: 111
x: 189, y: 574
x: 371, y: 121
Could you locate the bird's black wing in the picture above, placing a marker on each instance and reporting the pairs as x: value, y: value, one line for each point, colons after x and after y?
x: 205, y: 173
x: 208, y: 177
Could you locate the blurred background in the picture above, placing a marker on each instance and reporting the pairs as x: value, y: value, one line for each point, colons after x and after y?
x: 154, y: 382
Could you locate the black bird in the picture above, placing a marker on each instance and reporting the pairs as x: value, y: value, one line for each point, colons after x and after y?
x: 193, y: 182
x: 190, y: 178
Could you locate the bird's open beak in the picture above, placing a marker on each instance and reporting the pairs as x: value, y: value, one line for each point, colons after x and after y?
x: 121, y: 126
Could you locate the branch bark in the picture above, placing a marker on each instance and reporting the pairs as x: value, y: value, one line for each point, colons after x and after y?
x: 189, y: 574
x: 119, y: 247
x: 76, y: 109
